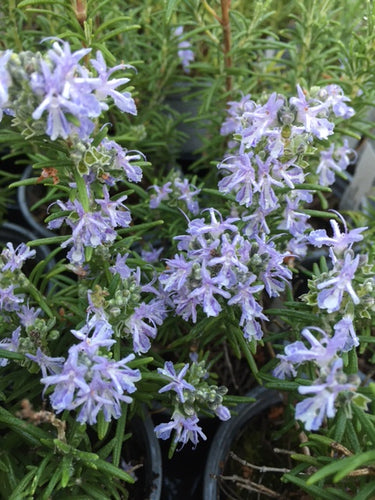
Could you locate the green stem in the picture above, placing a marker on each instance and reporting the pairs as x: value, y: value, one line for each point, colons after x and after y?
x: 82, y: 191
x: 225, y: 22
x: 12, y: 17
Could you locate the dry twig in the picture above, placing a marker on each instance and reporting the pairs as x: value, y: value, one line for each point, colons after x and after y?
x: 251, y: 486
x: 262, y: 468
x: 41, y: 417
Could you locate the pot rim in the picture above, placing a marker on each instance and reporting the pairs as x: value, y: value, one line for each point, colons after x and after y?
x: 227, y: 431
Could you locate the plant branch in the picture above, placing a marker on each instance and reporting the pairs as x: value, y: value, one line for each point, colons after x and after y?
x: 262, y: 468
x: 251, y: 486
x: 225, y: 22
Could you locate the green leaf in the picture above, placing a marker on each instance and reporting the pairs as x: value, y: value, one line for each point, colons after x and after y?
x: 169, y: 7
x: 85, y: 456
x: 316, y: 491
x: 120, y: 431
x: 52, y: 483
x: 246, y: 351
x: 28, y: 431
x: 340, y: 425
x: 136, y: 363
x: 361, y: 401
x: 20, y: 491
x: 38, y: 473
x: 367, y: 425
x: 354, y: 462
x: 38, y: 297
x: 66, y: 470
x: 63, y: 447
x: 321, y: 439
x: 102, y: 426
x: 113, y: 471
x: 11, y: 355
x: 53, y: 240
x: 365, y: 492
x: 141, y: 227
x: 307, y: 459
x: 94, y: 492
x: 340, y: 468
x: 107, y: 24
x: 238, y: 399
x: 27, y: 3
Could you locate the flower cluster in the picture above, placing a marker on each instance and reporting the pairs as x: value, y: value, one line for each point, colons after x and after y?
x: 185, y: 54
x: 27, y: 331
x: 90, y: 381
x: 218, y: 267
x: 344, y: 263
x: 266, y: 165
x: 331, y: 381
x: 333, y: 293
x: 11, y: 276
x: 93, y: 227
x: 91, y: 378
x: 177, y: 191
x: 59, y: 93
x: 191, y: 396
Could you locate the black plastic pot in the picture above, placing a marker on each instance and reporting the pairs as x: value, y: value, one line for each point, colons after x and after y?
x: 187, y: 105
x: 145, y: 444
x: 183, y: 473
x: 228, y: 432
x: 27, y: 197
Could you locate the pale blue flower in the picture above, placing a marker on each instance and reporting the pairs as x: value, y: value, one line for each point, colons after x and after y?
x: 162, y: 194
x: 89, y: 229
x: 332, y: 290
x: 260, y: 121
x: 344, y: 330
x: 5, y: 81
x: 151, y: 256
x: 47, y: 364
x: 118, y: 374
x: 15, y: 258
x: 235, y: 111
x: 186, y: 429
x: 241, y: 178
x: 177, y: 384
x: 313, y: 410
x: 94, y: 334
x: 222, y: 412
x: 336, y: 99
x: 10, y: 344
x: 28, y: 315
x: 120, y: 267
x: 9, y: 301
x: 107, y: 87
x: 339, y: 241
x: 177, y: 273
x: 142, y: 324
x: 204, y: 293
x: 322, y: 351
x: 123, y: 160
x: 187, y: 192
x: 309, y: 112
x: 185, y: 54
x: 115, y: 212
x: 71, y: 378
